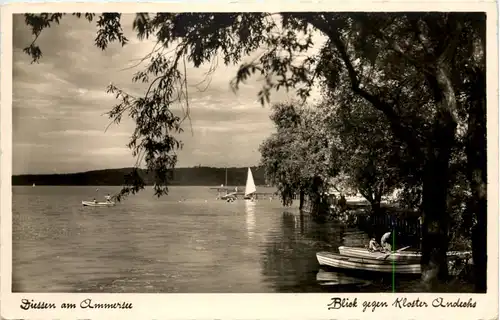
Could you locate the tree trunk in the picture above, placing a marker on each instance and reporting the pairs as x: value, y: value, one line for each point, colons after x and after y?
x: 476, y: 171
x: 436, y: 174
x: 434, y: 226
x: 376, y: 203
x: 316, y: 196
x: 374, y: 198
x: 479, y: 246
x: 434, y: 203
x: 301, y: 200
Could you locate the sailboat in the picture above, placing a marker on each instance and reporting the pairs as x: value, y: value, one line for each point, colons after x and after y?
x: 250, y: 188
x: 229, y: 197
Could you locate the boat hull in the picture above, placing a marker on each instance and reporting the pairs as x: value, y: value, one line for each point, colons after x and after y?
x: 402, y: 256
x: 229, y: 196
x: 366, y: 264
x: 97, y: 204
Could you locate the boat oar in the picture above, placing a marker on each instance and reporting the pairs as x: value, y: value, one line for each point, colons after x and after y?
x: 399, y: 250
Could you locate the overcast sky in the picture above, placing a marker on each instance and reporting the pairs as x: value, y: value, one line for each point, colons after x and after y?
x: 58, y: 106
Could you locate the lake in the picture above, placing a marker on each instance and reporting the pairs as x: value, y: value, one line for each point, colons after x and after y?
x: 186, y: 242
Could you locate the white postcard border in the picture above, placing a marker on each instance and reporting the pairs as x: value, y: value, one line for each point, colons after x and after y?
x: 246, y: 306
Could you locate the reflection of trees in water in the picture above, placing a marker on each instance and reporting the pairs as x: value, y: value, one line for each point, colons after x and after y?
x: 289, y: 261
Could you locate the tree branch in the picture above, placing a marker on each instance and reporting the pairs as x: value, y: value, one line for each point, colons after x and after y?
x: 395, y: 120
x: 379, y: 104
x: 424, y: 66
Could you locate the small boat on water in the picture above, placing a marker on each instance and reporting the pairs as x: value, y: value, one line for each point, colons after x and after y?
x: 229, y: 197
x: 338, y: 261
x: 250, y: 188
x: 98, y: 204
x: 403, y: 256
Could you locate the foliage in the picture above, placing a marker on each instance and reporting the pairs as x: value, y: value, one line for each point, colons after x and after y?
x: 424, y: 72
x: 298, y: 157
x: 389, y: 54
x: 349, y: 142
x: 365, y: 148
x: 373, y: 40
x: 183, y: 38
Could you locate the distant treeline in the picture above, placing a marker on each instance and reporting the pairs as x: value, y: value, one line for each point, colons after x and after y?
x: 196, y: 176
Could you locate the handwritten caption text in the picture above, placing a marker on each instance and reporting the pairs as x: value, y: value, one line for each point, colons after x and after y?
x: 439, y: 302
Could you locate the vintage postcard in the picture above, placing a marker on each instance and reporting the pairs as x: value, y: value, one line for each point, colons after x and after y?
x: 258, y: 160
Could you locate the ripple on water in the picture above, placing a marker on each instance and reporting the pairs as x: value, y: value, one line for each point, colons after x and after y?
x: 153, y: 245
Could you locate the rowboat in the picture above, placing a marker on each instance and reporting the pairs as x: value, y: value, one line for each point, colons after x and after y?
x: 230, y: 196
x: 366, y: 264
x: 98, y: 204
x: 403, y: 256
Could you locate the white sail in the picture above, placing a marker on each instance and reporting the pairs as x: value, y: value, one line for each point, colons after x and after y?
x: 250, y: 186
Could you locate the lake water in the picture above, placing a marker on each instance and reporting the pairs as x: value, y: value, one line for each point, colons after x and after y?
x: 186, y: 242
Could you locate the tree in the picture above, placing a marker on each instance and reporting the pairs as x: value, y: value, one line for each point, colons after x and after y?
x: 279, y: 157
x: 298, y: 157
x: 366, y: 148
x: 382, y: 56
x: 383, y: 52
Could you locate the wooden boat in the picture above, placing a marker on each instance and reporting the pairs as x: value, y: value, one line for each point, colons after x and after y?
x: 326, y: 278
x: 404, y: 256
x: 335, y: 260
x: 98, y: 204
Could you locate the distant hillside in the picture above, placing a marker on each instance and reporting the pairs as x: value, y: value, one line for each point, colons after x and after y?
x: 196, y: 176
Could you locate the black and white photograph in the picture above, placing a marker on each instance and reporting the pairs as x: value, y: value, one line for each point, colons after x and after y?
x: 332, y: 152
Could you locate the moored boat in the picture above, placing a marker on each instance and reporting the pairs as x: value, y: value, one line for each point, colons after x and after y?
x: 403, y: 256
x: 366, y: 264
x: 98, y: 204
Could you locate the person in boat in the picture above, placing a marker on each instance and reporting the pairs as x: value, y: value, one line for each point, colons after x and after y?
x: 384, y: 241
x: 95, y: 201
x: 108, y: 198
x: 373, y: 245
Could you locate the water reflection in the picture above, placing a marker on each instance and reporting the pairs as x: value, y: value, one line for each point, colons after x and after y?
x: 330, y: 278
x: 289, y: 262
x: 250, y: 218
